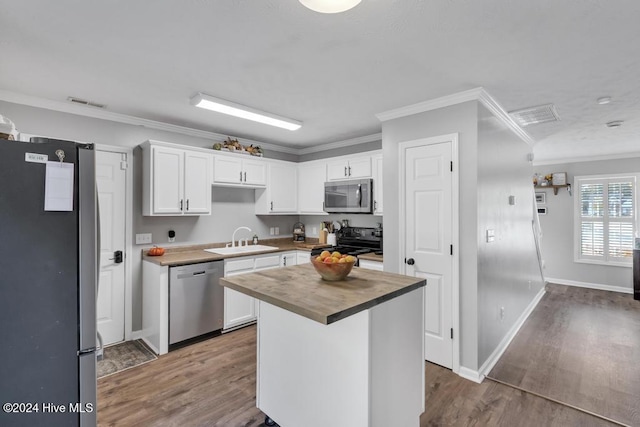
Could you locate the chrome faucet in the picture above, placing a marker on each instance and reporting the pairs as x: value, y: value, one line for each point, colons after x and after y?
x: 233, y: 236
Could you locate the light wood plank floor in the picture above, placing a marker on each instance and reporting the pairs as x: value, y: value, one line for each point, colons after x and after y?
x: 580, y: 347
x: 213, y: 383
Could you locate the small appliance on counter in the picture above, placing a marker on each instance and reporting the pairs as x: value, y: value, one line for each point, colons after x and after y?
x: 298, y: 232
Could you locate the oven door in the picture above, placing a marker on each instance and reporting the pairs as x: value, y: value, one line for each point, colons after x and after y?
x: 348, y: 196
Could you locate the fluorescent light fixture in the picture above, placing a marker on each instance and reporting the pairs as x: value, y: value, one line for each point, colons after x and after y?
x: 231, y: 108
x: 330, y: 6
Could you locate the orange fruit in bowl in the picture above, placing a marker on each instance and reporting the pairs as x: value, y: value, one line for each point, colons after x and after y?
x: 336, y: 254
x: 325, y: 254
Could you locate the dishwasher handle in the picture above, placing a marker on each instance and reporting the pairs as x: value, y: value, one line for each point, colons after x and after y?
x: 199, y: 273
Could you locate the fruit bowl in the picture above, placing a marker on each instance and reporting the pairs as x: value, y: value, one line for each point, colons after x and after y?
x: 334, y: 270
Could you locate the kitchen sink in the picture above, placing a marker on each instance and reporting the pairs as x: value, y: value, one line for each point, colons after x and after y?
x: 241, y: 249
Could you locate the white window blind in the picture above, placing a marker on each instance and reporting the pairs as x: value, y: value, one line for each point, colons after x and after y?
x: 606, y: 219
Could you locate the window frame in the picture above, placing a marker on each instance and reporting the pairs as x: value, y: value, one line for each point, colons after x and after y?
x: 577, y: 218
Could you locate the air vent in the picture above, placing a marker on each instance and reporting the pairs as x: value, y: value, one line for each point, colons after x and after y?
x: 535, y: 115
x: 83, y: 102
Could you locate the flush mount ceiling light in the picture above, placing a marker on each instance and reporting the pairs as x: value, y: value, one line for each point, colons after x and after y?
x: 231, y: 108
x: 330, y: 6
x: 534, y: 115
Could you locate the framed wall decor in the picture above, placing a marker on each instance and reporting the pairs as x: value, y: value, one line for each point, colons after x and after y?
x: 541, y: 198
x: 559, y: 178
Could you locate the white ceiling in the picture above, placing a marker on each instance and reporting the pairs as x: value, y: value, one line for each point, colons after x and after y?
x: 146, y: 58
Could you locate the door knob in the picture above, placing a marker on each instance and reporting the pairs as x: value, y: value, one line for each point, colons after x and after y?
x: 117, y: 257
x: 409, y: 261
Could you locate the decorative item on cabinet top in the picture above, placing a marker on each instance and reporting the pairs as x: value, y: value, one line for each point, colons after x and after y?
x: 554, y: 180
x: 234, y: 146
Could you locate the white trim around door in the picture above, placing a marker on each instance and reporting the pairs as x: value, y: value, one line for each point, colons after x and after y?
x: 455, y: 240
x: 128, y: 293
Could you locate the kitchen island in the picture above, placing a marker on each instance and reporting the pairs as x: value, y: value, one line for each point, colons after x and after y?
x: 347, y: 353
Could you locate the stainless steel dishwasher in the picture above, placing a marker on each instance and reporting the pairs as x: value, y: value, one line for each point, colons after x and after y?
x: 196, y: 300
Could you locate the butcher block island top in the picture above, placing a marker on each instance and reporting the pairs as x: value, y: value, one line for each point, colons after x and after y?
x: 299, y: 289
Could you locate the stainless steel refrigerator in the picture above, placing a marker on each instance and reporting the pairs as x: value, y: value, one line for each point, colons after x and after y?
x: 48, y: 277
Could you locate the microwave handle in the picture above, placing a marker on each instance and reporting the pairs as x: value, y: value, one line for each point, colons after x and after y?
x: 359, y: 194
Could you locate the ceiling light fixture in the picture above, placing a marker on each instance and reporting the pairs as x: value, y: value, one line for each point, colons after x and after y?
x: 231, y: 108
x: 330, y: 6
x: 604, y: 100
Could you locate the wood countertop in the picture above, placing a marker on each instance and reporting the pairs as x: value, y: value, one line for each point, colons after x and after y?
x: 371, y: 257
x: 301, y: 290
x: 194, y: 254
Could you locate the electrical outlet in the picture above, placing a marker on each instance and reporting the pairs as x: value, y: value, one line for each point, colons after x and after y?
x: 277, y: 231
x: 143, y: 238
x: 272, y: 231
x: 491, y: 235
x: 501, y: 314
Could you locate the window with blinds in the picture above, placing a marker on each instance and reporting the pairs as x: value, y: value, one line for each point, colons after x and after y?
x: 605, y: 219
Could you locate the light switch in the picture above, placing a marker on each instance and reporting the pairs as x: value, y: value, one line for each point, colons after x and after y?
x: 143, y: 238
x: 491, y: 235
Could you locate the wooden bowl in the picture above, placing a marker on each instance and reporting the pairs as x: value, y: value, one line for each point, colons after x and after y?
x: 332, y: 272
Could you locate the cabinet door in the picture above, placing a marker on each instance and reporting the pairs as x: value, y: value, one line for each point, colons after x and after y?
x: 238, y: 308
x: 227, y: 170
x: 288, y: 259
x: 371, y: 265
x: 283, y: 188
x: 337, y: 170
x: 168, y: 180
x: 303, y: 257
x: 254, y: 172
x: 377, y: 185
x: 197, y: 183
x: 311, y: 179
x: 359, y: 167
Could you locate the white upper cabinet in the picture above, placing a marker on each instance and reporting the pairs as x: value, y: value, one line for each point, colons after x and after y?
x: 281, y: 194
x: 349, y: 167
x: 311, y: 179
x: 377, y: 184
x: 233, y: 170
x: 176, y: 181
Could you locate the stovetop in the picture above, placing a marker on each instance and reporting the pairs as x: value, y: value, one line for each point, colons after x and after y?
x: 356, y: 241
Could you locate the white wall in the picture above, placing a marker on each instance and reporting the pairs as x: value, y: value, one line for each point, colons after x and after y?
x: 461, y: 119
x: 557, y: 227
x: 492, y: 165
x: 508, y: 270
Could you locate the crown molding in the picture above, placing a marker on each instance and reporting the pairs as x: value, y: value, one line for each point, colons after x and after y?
x: 432, y: 104
x: 341, y: 144
x: 477, y: 94
x: 617, y: 156
x: 97, y: 113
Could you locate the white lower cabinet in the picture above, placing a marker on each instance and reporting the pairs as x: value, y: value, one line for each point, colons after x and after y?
x: 288, y: 258
x: 240, y: 309
x: 303, y: 257
x: 371, y: 265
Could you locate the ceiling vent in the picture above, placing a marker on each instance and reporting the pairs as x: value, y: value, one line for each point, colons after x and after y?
x: 83, y: 102
x: 535, y: 115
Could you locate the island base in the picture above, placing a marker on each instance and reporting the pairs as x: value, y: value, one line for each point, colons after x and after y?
x: 364, y: 370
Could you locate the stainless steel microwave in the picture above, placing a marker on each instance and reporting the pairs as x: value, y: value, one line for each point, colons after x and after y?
x: 352, y: 196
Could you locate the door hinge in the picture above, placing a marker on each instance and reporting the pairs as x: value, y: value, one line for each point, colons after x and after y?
x: 451, y: 333
x: 451, y: 166
x: 124, y: 165
x: 450, y: 249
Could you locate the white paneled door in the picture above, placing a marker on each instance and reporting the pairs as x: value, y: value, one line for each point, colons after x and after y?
x: 428, y: 238
x: 111, y: 182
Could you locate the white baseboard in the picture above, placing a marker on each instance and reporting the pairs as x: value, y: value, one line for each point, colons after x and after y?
x: 471, y: 375
x: 500, y: 349
x: 590, y: 285
x: 136, y: 335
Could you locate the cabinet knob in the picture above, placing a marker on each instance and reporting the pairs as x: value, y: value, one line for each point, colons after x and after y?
x: 345, y: 171
x: 187, y: 204
x: 181, y: 204
x: 245, y: 177
x: 271, y: 205
x: 240, y: 176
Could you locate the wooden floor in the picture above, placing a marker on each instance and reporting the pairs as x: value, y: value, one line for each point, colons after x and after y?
x: 581, y: 347
x: 213, y: 383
